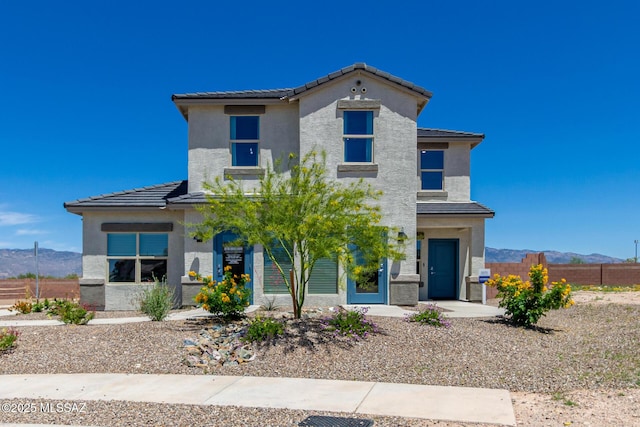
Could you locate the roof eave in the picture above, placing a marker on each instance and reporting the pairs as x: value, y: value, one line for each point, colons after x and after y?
x: 79, y: 210
x: 458, y: 214
x: 183, y: 104
x: 422, y: 94
x: 475, y: 140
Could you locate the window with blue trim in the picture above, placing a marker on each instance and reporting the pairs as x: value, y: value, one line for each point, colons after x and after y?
x: 245, y: 138
x: 137, y: 257
x: 358, y: 136
x: 432, y: 169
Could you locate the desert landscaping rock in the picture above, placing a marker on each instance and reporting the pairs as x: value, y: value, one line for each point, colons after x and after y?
x: 580, y: 365
x: 219, y: 345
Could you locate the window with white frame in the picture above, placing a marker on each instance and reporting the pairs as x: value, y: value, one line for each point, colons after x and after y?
x: 432, y: 169
x: 137, y: 257
x: 245, y: 140
x: 358, y: 136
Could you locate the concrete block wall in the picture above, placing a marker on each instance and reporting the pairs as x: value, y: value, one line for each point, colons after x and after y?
x: 518, y: 268
x: 578, y: 274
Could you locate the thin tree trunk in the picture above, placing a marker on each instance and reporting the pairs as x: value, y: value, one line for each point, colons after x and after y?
x: 294, y: 299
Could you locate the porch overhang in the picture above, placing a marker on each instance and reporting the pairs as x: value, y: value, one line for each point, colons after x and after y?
x: 449, y: 209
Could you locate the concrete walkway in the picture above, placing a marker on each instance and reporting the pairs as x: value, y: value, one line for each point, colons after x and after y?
x: 457, y: 404
x: 451, y: 309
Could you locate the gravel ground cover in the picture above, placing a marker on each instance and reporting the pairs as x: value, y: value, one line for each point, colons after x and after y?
x: 579, y: 366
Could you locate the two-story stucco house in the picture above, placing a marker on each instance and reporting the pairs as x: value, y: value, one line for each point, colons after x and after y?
x: 366, y: 121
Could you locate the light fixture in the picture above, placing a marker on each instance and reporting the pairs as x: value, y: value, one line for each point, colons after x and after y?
x: 402, y: 236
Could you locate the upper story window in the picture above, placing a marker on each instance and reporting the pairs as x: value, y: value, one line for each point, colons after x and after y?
x: 432, y: 169
x: 358, y: 136
x: 137, y: 257
x: 245, y: 139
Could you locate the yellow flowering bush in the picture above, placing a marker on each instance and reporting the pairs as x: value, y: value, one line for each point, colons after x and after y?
x: 227, y: 298
x: 527, y: 301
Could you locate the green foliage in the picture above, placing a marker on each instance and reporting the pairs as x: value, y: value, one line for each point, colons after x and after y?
x: 227, y: 298
x: 68, y: 311
x: 526, y: 302
x: 8, y: 338
x: 71, y: 312
x: 430, y: 315
x: 350, y: 323
x: 576, y: 260
x: 262, y: 329
x: 40, y: 306
x: 157, y: 301
x: 303, y: 213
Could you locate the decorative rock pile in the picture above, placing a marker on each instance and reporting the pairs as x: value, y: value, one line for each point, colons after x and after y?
x: 219, y: 345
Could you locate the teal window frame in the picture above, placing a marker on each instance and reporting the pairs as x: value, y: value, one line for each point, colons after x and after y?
x: 431, y: 170
x: 137, y: 257
x: 244, y: 137
x: 358, y: 136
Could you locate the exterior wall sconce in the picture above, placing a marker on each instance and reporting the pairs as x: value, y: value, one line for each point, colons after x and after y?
x: 402, y: 236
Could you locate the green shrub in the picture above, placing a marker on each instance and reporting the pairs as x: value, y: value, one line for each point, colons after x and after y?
x: 351, y: 323
x: 156, y: 302
x: 8, y: 338
x: 526, y: 302
x: 227, y: 298
x: 430, y: 315
x: 262, y: 329
x: 40, y: 306
x: 37, y: 307
x: 71, y: 312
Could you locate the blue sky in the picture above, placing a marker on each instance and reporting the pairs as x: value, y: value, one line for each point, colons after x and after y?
x: 86, y: 100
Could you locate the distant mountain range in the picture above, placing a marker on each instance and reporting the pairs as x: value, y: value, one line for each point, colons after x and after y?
x: 553, y: 257
x: 14, y: 262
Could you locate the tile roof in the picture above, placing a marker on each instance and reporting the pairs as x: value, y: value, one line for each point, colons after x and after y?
x: 450, y: 208
x: 285, y: 93
x: 175, y: 193
x: 189, y: 199
x: 364, y: 67
x: 444, y: 133
x: 261, y: 94
x: 154, y: 196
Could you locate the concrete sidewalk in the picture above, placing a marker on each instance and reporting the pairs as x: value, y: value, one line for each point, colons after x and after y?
x: 451, y: 309
x: 456, y: 404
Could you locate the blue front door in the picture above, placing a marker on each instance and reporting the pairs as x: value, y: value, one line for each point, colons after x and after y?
x: 443, y: 269
x: 227, y: 251
x: 372, y: 291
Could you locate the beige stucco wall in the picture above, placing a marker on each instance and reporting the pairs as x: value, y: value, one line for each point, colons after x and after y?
x: 456, y: 172
x: 94, y: 259
x: 209, y: 144
x: 394, y: 151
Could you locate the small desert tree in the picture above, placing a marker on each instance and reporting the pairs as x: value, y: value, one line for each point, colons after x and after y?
x: 305, y: 215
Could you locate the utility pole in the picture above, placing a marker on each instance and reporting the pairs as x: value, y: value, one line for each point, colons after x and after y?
x: 35, y: 252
